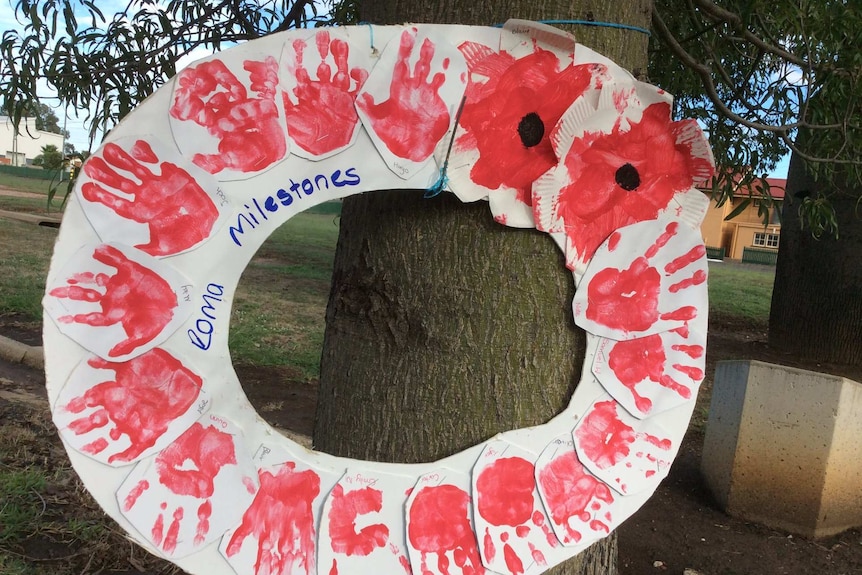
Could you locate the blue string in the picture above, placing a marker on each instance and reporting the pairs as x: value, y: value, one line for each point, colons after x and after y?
x: 371, y: 33
x: 443, y: 180
x: 593, y: 23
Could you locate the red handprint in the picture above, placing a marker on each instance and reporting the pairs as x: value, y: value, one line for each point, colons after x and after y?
x: 346, y: 507
x: 147, y: 394
x: 415, y: 117
x: 666, y: 369
x: 177, y: 211
x: 186, y: 474
x: 617, y: 452
x: 322, y: 117
x: 577, y: 502
x: 508, y: 507
x: 249, y: 132
x: 281, y: 520
x: 362, y: 513
x: 135, y: 297
x: 439, y: 523
x: 628, y: 301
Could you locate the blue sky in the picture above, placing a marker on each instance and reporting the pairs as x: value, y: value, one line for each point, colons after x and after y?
x: 75, y: 125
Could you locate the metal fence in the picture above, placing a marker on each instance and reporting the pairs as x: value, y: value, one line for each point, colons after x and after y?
x: 25, y: 172
x: 756, y: 256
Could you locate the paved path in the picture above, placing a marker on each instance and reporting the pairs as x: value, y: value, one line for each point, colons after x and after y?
x: 48, y: 220
x: 11, y: 193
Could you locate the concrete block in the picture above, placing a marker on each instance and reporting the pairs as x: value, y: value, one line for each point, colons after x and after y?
x: 783, y: 447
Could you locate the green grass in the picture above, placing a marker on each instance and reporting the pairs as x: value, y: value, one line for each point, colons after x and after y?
x: 24, y: 263
x: 20, y: 510
x: 24, y: 184
x: 49, y: 525
x: 278, y: 313
x: 741, y: 292
x: 31, y: 185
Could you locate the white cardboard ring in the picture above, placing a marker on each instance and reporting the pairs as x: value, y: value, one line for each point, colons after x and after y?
x: 202, y: 467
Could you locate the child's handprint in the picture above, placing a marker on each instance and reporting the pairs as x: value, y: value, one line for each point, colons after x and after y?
x: 197, y: 477
x: 660, y: 290
x: 249, y: 131
x: 616, y: 447
x: 580, y: 505
x: 165, y: 197
x: 414, y: 117
x: 439, y: 524
x: 653, y: 373
x: 148, y: 393
x: 135, y: 297
x: 281, y: 522
x: 345, y: 536
x: 321, y: 116
x: 516, y: 536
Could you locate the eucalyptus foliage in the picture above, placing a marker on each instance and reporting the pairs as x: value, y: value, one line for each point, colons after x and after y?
x: 112, y: 62
x: 762, y: 76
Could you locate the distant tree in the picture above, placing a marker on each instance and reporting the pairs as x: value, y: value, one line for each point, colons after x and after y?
x: 46, y: 118
x: 50, y: 158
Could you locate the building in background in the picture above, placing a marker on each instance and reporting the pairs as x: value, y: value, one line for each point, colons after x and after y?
x: 19, y: 149
x: 745, y: 237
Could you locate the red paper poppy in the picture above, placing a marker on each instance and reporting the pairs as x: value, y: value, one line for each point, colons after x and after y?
x: 628, y: 175
x: 509, y: 117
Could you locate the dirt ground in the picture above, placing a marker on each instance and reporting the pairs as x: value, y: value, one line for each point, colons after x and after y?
x: 679, y: 528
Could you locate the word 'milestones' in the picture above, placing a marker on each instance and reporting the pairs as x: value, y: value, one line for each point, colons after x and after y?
x: 553, y: 135
x: 261, y: 209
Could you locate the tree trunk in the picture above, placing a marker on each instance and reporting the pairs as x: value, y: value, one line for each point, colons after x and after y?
x: 444, y: 328
x: 816, y: 305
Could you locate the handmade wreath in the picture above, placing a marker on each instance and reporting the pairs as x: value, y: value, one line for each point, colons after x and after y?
x: 164, y: 221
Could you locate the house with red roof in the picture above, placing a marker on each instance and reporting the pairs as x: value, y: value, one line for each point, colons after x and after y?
x: 745, y: 236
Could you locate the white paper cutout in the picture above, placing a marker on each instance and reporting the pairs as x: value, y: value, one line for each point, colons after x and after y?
x: 514, y: 531
x: 441, y: 539
x: 409, y: 102
x: 119, y: 413
x: 227, y: 115
x: 581, y: 508
x: 520, y: 38
x: 621, y: 163
x: 117, y: 302
x: 651, y: 374
x: 646, y: 278
x: 321, y: 75
x: 194, y: 490
x: 630, y: 455
x: 141, y: 192
x: 279, y: 530
x: 363, y: 527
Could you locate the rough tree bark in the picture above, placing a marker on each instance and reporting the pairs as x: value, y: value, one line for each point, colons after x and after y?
x: 817, y: 298
x: 444, y: 328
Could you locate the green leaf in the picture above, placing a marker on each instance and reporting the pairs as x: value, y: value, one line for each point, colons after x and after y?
x: 738, y: 209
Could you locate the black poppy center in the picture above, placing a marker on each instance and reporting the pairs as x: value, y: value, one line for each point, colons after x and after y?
x: 531, y: 129
x: 627, y: 177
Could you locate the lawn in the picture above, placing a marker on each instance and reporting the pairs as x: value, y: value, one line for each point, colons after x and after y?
x: 741, y: 292
x: 32, y: 186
